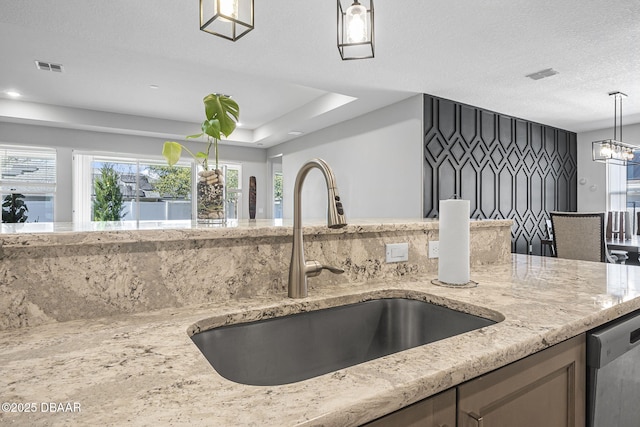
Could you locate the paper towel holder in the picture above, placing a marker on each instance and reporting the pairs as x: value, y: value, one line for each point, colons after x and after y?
x: 469, y: 284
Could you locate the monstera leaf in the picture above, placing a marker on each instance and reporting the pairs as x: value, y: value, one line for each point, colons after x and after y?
x: 212, y: 128
x: 223, y: 109
x: 171, y: 151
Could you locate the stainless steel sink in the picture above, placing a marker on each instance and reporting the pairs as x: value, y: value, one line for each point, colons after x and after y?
x: 300, y: 346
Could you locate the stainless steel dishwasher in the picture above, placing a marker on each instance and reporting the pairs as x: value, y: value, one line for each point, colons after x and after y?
x: 613, y: 377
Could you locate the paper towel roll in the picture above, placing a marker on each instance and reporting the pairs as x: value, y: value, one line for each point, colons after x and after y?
x: 453, y: 261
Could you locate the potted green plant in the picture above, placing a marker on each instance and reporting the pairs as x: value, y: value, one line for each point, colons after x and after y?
x: 14, y: 208
x: 221, y: 116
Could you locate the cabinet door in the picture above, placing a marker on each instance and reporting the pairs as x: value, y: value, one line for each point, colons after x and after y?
x: 435, y: 411
x: 545, y: 389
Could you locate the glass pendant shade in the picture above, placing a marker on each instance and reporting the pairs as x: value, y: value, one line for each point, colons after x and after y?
x: 616, y: 152
x: 229, y: 8
x: 613, y: 150
x: 355, y: 29
x: 355, y: 23
x: 229, y: 19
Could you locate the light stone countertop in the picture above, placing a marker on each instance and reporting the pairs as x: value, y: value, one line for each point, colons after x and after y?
x: 143, y: 370
x: 50, y: 234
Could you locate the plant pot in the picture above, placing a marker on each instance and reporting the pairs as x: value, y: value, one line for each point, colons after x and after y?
x: 211, y: 196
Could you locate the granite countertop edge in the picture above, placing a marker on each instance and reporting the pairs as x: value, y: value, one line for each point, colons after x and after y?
x: 62, y: 234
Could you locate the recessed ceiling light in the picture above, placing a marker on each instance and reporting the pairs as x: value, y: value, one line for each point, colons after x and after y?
x: 154, y: 86
x: 542, y: 74
x: 295, y: 133
x: 13, y: 93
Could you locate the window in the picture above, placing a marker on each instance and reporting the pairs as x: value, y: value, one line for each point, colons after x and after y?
x: 30, y: 172
x: 633, y: 183
x: 277, y: 195
x: 633, y: 191
x: 151, y: 190
x: 617, y: 187
x: 275, y: 167
x: 234, y: 191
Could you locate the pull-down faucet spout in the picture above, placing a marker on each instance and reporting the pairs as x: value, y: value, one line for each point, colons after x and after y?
x: 299, y: 269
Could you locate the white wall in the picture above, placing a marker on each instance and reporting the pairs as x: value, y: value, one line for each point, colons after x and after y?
x: 377, y: 160
x: 592, y: 195
x: 253, y: 160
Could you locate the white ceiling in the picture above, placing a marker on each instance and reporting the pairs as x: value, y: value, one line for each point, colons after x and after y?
x: 287, y: 74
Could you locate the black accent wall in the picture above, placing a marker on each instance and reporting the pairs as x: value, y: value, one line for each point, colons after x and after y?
x: 507, y: 167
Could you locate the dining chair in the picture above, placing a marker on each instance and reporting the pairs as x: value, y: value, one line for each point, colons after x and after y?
x: 618, y: 225
x: 618, y: 228
x: 580, y: 236
x: 548, y: 240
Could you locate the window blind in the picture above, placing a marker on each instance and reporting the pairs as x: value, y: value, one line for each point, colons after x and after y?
x: 27, y: 170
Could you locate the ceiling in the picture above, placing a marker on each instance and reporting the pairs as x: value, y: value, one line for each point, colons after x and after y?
x: 287, y: 74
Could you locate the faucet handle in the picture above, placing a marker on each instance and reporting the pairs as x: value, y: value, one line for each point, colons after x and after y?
x: 314, y: 268
x: 334, y: 270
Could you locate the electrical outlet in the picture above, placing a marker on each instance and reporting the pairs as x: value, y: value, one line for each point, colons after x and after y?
x: 397, y: 252
x: 434, y: 249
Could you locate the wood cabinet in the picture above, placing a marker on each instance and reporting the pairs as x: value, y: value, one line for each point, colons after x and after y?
x: 438, y: 410
x: 544, y: 389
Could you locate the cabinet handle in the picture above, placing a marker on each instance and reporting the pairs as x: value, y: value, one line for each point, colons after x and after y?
x: 477, y: 418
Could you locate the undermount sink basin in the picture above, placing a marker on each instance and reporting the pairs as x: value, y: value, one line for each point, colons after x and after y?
x: 300, y: 346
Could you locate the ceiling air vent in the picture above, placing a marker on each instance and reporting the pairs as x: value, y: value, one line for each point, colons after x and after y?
x: 48, y: 66
x: 542, y: 74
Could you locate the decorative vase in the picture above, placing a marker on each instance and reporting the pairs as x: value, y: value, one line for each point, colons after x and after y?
x: 252, y: 197
x: 211, y: 196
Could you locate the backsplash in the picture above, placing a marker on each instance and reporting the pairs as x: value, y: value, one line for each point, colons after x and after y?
x: 57, y: 277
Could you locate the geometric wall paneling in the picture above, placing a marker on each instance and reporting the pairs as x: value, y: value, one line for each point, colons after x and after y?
x: 505, y: 166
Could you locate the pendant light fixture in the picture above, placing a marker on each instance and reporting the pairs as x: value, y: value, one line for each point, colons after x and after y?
x: 614, y: 150
x: 355, y: 29
x: 229, y: 19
